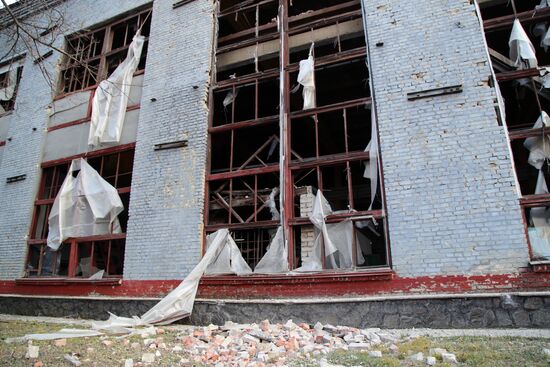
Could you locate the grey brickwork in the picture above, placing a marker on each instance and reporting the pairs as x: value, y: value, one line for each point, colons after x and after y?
x: 468, y: 311
x: 23, y: 154
x: 165, y: 228
x: 451, y: 197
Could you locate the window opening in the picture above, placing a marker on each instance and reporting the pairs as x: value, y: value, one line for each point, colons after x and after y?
x: 79, y: 257
x: 326, y: 141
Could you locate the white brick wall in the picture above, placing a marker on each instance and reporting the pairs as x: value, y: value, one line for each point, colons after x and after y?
x: 451, y: 197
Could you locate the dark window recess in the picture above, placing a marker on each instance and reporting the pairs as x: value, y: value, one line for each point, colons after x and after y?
x: 525, y: 100
x: 95, y: 54
x: 9, y: 105
x: 326, y: 144
x: 88, y: 255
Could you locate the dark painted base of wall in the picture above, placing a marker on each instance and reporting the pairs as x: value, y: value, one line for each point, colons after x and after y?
x: 450, y: 311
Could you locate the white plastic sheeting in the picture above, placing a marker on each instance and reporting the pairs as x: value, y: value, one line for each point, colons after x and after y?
x: 111, y: 98
x: 543, y: 4
x: 306, y: 77
x: 228, y: 260
x: 6, y: 93
x: 86, y: 205
x: 337, y: 240
x: 539, y: 146
x: 541, y: 30
x: 521, y: 48
x: 539, y: 236
x: 275, y: 259
x: 178, y: 303
x: 371, y: 167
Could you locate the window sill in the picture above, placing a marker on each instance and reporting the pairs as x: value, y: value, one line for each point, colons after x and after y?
x: 377, y: 274
x: 67, y: 281
x: 542, y: 266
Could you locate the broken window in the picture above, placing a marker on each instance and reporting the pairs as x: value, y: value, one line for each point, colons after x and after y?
x: 80, y: 257
x: 326, y: 99
x: 10, y: 75
x: 517, y: 34
x: 95, y: 54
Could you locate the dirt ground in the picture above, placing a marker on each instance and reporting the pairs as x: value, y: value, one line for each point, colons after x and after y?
x: 171, y: 347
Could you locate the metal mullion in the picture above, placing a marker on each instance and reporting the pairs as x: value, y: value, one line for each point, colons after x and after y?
x: 257, y: 100
x: 108, y: 262
x: 230, y: 203
x: 316, y: 122
x: 44, y: 230
x: 255, y: 198
x: 92, y: 257
x: 117, y: 169
x: 41, y: 259
x: 350, y: 186
x: 345, y: 115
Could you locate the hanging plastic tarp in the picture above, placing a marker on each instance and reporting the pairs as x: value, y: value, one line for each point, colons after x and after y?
x: 539, y: 234
x: 336, y: 239
x: 541, y: 30
x: 539, y: 146
x: 228, y: 260
x: 6, y: 93
x: 111, y: 98
x: 275, y: 259
x: 306, y: 78
x: 521, y: 49
x: 371, y: 167
x: 543, y: 4
x: 178, y: 304
x: 86, y: 205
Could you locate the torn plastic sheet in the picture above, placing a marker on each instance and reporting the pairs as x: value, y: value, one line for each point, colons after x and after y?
x: 272, y: 204
x: 61, y: 334
x: 371, y: 167
x: 86, y: 205
x: 275, y: 259
x: 178, y: 303
x: 544, y: 73
x: 521, y: 48
x: 228, y: 260
x: 230, y: 97
x: 306, y: 77
x: 7, y: 92
x: 539, y: 236
x: 543, y: 4
x: 539, y: 146
x: 541, y: 30
x: 336, y: 238
x: 111, y: 98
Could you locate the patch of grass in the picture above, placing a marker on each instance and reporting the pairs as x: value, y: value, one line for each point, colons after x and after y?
x: 361, y: 359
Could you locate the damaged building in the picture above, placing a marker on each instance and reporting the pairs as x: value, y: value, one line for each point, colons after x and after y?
x: 362, y: 152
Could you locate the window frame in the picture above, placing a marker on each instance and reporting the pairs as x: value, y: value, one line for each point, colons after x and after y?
x: 523, y: 130
x: 73, y: 243
x: 293, y: 25
x: 143, y: 16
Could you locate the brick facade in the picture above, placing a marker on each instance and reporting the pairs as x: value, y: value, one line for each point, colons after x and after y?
x: 452, y: 201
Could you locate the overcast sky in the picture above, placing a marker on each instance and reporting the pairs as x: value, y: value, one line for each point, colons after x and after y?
x: 9, y: 2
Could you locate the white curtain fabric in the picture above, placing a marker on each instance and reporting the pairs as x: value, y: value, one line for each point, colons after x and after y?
x: 86, y: 205
x: 111, y: 98
x: 521, y: 48
x: 306, y: 77
x: 539, y: 147
x: 178, y: 303
x: 275, y: 260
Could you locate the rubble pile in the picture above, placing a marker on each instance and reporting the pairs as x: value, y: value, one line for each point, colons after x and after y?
x: 266, y: 344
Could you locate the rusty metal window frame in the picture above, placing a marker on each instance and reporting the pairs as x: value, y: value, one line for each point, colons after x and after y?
x: 97, y: 52
x: 224, y: 179
x: 51, y: 180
